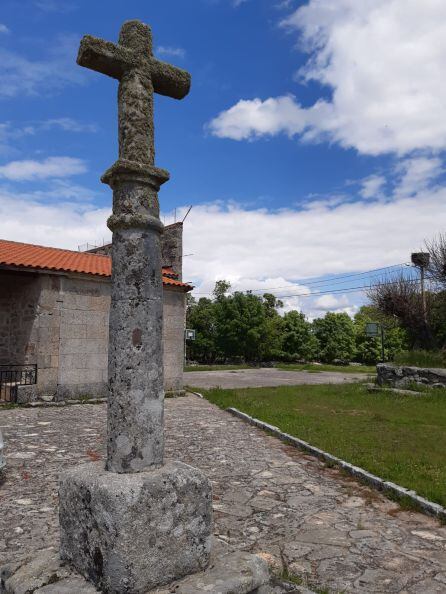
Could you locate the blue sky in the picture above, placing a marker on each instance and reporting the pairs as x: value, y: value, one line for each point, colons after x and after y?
x: 311, y: 143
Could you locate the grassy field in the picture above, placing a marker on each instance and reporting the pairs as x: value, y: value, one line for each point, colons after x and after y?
x: 399, y: 438
x: 215, y: 367
x: 311, y: 367
x: 421, y: 359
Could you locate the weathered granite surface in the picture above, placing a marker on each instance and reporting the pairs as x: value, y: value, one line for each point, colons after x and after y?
x: 140, y: 74
x: 401, y: 376
x: 230, y: 572
x: 107, y: 520
x: 135, y: 524
x: 135, y: 373
x: 268, y: 498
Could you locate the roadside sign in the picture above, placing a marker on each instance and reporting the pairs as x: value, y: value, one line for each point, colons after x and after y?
x: 372, y: 329
x: 190, y: 334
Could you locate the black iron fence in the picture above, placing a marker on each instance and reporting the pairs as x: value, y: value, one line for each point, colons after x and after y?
x: 12, y: 376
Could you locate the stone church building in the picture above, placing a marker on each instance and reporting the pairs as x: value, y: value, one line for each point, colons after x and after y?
x: 54, y: 308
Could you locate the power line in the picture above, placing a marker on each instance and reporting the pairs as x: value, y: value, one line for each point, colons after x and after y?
x: 347, y: 290
x: 336, y: 278
x: 341, y: 282
x: 358, y: 289
x: 322, y: 281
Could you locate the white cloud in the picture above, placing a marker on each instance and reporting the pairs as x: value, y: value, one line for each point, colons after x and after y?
x: 164, y: 50
x: 330, y: 302
x: 68, y: 125
x: 319, y: 306
x: 323, y: 238
x: 4, y: 28
x: 55, y: 5
x: 52, y: 167
x: 417, y: 174
x: 383, y: 60
x: 10, y: 132
x: 23, y: 76
x: 256, y: 249
x: 372, y: 186
x: 248, y: 119
x: 66, y: 223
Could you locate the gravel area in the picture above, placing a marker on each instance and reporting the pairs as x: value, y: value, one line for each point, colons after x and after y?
x: 267, y: 377
x: 269, y: 498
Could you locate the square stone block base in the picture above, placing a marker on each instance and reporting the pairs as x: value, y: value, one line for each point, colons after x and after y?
x: 134, y: 532
x: 230, y: 572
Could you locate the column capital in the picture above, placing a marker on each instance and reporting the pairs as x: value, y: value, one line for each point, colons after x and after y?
x: 131, y: 171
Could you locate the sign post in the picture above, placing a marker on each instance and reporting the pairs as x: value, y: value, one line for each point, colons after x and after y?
x: 373, y: 330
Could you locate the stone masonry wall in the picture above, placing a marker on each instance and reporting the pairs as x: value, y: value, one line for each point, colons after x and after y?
x: 172, y: 248
x: 19, y: 295
x: 173, y: 340
x: 61, y: 323
x: 84, y: 313
x: 401, y: 376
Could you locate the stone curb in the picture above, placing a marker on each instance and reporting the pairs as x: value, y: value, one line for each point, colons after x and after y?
x: 399, y: 391
x: 197, y: 394
x: 424, y: 505
x: 43, y: 404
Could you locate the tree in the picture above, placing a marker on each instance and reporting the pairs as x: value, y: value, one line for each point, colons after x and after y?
x: 220, y: 289
x: 437, y: 264
x: 273, y: 327
x: 400, y: 297
x: 336, y: 336
x: 271, y: 305
x: 368, y: 348
x: 201, y: 317
x: 298, y: 340
x: 242, y: 328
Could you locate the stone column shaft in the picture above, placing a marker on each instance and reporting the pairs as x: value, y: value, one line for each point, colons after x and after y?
x: 135, y: 436
x: 135, y: 117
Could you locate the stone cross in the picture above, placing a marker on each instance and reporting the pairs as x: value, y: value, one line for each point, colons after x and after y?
x: 131, y: 62
x: 152, y: 525
x: 135, y: 435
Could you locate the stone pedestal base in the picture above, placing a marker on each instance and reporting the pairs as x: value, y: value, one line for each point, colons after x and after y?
x: 134, y: 532
x: 230, y: 572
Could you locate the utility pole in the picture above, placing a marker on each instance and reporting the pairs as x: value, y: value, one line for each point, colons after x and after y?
x: 421, y: 260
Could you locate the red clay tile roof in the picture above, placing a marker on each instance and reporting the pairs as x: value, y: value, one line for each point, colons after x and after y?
x: 26, y: 255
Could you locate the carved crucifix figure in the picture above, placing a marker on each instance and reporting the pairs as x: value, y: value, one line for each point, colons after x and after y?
x: 140, y: 75
x: 135, y: 435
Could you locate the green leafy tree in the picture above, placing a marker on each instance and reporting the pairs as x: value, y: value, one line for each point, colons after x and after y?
x: 220, y: 289
x: 201, y: 316
x: 273, y: 327
x: 298, y: 340
x: 368, y: 349
x: 242, y: 328
x: 335, y: 333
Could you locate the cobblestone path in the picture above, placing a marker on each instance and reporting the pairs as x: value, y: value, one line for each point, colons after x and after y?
x: 269, y: 498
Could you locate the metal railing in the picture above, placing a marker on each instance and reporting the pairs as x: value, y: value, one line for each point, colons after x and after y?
x: 12, y: 376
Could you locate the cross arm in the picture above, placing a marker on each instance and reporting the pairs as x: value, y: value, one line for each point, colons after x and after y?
x: 104, y: 56
x: 169, y: 80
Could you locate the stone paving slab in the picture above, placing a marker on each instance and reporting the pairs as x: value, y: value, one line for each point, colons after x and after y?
x: 267, y: 377
x: 303, y: 518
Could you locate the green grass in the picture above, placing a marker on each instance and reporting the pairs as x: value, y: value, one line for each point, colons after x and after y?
x: 421, y: 359
x: 399, y: 438
x: 310, y: 367
x: 216, y: 367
